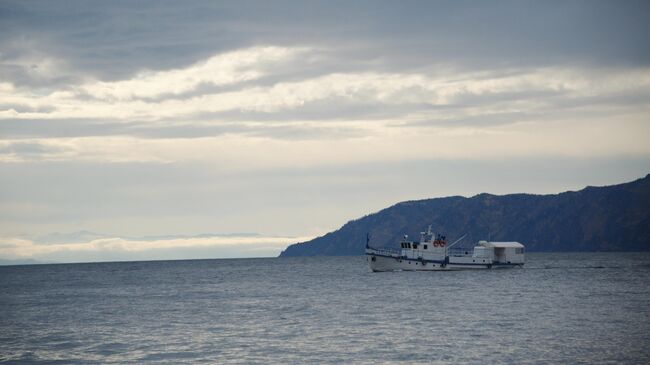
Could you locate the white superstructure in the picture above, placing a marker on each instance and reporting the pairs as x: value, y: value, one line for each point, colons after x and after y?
x: 433, y: 253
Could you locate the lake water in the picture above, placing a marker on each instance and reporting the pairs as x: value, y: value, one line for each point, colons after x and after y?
x: 572, y: 308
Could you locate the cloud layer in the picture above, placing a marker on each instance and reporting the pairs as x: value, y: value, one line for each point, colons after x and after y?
x: 186, y: 114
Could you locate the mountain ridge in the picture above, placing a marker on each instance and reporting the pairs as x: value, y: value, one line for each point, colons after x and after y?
x: 607, y: 218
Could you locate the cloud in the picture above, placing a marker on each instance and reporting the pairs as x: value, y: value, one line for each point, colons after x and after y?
x: 17, y: 151
x: 223, y: 69
x: 116, y: 40
x: 561, y: 135
x: 178, y: 100
x: 27, y: 148
x: 481, y: 114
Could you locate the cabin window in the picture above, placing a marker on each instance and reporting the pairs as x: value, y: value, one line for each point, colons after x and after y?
x: 408, y: 245
x: 415, y: 246
x: 519, y: 250
x: 402, y: 244
x: 425, y: 247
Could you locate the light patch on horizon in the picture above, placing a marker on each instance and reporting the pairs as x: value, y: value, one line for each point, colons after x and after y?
x: 13, y: 248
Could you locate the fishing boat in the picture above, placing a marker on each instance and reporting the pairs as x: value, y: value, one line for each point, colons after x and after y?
x: 431, y: 253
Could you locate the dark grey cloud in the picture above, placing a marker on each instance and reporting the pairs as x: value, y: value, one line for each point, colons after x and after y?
x: 23, y: 108
x: 70, y: 128
x: 58, y: 128
x: 29, y: 149
x: 484, y: 120
x: 17, y: 129
x: 321, y: 113
x: 115, y: 39
x: 269, y: 130
x: 330, y: 109
x: 552, y: 105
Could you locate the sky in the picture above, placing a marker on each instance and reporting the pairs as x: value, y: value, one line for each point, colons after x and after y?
x: 175, y: 130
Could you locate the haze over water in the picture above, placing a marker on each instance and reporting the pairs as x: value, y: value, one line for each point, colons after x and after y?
x: 588, y: 308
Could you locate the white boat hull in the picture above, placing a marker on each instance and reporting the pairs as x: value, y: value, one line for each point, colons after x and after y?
x: 379, y: 263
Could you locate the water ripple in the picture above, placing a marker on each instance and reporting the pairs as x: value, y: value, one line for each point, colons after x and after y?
x: 561, y: 308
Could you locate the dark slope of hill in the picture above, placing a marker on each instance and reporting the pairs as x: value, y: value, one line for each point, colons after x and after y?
x: 609, y: 218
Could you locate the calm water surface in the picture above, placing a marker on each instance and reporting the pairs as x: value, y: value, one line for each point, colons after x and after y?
x: 562, y: 308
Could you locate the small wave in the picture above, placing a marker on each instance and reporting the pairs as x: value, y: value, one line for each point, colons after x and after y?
x: 111, y: 348
x: 169, y: 356
x: 574, y: 267
x: 31, y: 358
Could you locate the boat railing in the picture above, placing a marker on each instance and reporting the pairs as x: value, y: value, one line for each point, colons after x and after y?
x: 386, y: 251
x: 459, y: 252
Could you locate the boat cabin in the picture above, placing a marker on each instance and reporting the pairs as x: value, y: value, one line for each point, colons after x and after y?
x: 485, y: 252
x: 500, y: 252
